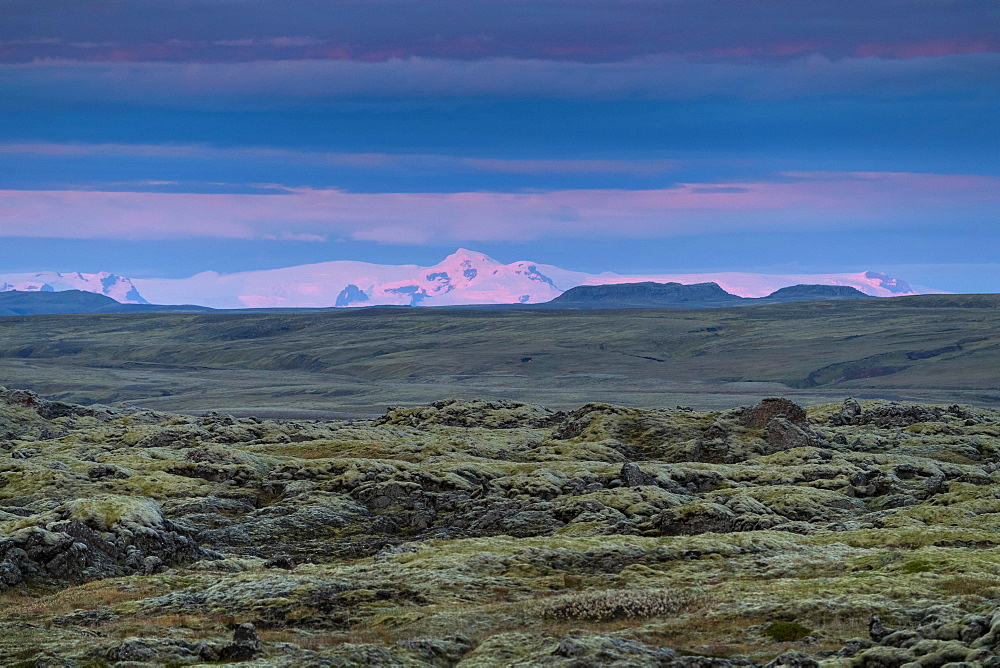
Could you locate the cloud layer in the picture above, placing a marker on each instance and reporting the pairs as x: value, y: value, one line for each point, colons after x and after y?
x: 767, y: 131
x: 801, y: 200
x: 282, y: 83
x: 587, y: 30
x: 638, y: 166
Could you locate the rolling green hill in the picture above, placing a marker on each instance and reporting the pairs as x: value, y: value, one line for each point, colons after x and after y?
x: 940, y: 348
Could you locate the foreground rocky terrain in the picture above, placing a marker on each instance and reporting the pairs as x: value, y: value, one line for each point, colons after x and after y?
x: 499, y: 533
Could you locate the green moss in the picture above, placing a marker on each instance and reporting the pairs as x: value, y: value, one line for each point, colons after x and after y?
x: 786, y: 631
x: 916, y: 566
x: 105, y: 510
x: 877, y: 562
x: 582, y: 550
x: 582, y: 529
x: 910, y: 537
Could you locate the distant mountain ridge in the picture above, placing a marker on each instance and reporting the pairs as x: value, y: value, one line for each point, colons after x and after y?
x: 614, y: 296
x: 463, y: 278
x: 644, y: 295
x: 36, y: 302
x: 698, y: 295
x: 799, y: 293
x: 67, y: 301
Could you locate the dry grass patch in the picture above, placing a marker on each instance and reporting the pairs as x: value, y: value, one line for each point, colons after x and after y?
x: 358, y: 635
x: 842, y: 625
x: 88, y: 596
x: 970, y: 585
x: 199, y: 627
x: 617, y: 604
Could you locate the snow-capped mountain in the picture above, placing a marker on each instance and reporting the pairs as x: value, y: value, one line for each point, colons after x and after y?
x: 464, y: 277
x: 118, y: 288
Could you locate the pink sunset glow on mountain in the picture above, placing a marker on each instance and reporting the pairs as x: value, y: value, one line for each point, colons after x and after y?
x: 464, y: 277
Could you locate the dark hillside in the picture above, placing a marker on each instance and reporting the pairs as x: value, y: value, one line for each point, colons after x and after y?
x: 69, y: 301
x: 678, y: 295
x: 645, y: 295
x: 808, y: 293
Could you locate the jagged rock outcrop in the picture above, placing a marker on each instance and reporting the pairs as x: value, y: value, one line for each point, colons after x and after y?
x: 48, y: 409
x: 99, y: 537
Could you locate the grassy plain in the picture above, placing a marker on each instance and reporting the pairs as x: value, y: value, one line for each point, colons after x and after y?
x: 938, y: 348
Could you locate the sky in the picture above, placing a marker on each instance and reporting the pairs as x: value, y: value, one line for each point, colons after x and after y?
x: 167, y: 137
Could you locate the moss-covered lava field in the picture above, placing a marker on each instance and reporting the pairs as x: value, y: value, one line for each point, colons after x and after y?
x: 492, y: 533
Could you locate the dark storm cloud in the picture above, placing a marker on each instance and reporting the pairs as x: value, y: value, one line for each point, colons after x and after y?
x: 588, y: 30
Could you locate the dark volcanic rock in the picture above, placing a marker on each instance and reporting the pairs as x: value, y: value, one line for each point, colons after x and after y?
x: 78, y: 550
x: 848, y: 413
x: 876, y: 629
x: 759, y: 416
x: 144, y: 651
x: 581, y: 649
x: 245, y: 644
x: 103, y: 471
x: 46, y: 408
x: 576, y: 423
x: 783, y: 434
x: 696, y: 518
x: 792, y: 659
x: 892, y: 414
x: 632, y: 476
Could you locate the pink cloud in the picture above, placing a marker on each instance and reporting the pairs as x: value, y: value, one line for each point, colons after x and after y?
x: 926, y: 49
x: 776, y: 49
x: 280, y: 42
x: 806, y: 199
x: 359, y: 160
x: 139, y: 53
x: 573, y: 166
x: 30, y: 42
x: 292, y: 236
x: 466, y: 45
x: 577, y: 50
x: 926, y: 187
